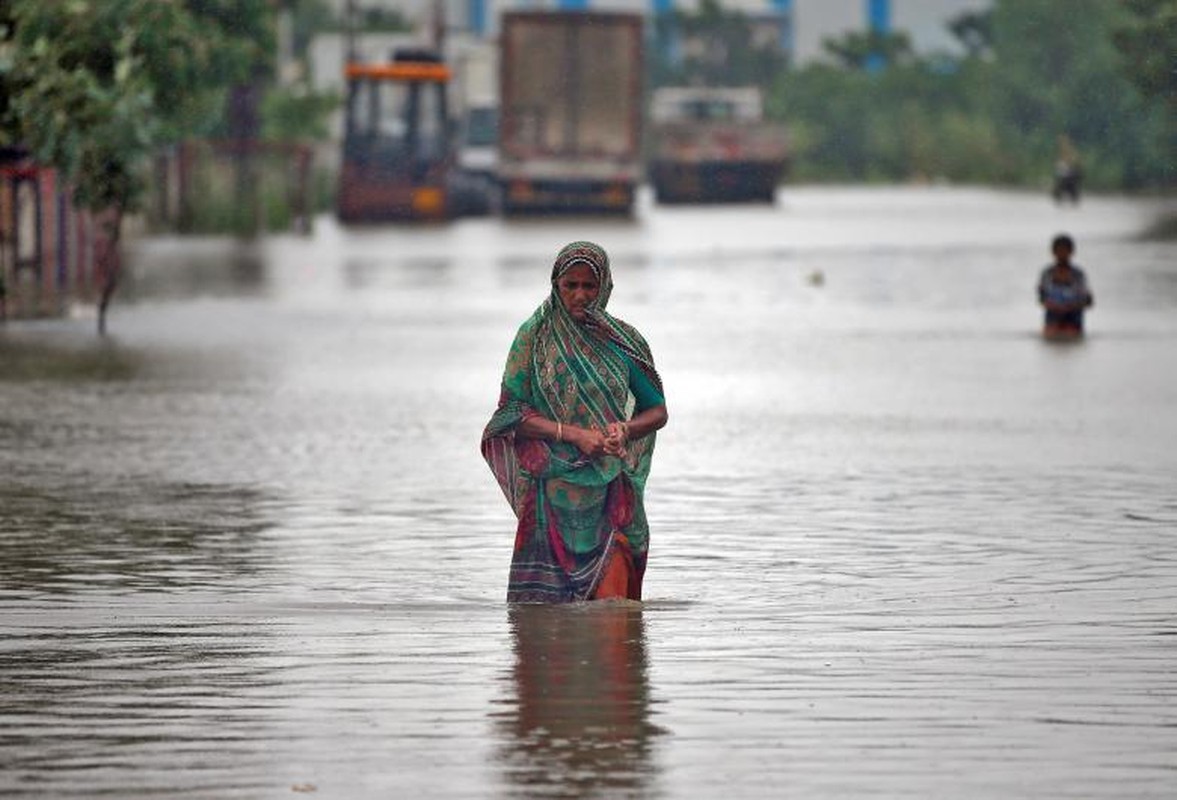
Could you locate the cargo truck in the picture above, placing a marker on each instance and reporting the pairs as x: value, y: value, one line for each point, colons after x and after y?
x: 570, y: 98
x: 713, y: 145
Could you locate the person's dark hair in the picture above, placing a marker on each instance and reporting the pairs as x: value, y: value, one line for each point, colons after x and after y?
x: 1062, y: 239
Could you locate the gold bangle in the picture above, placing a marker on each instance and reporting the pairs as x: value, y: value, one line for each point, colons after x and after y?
x: 625, y: 430
x: 559, y: 431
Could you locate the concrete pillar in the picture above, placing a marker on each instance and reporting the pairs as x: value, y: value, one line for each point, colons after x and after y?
x: 784, y: 9
x: 476, y: 16
x: 878, y: 20
x: 659, y: 31
x: 878, y: 15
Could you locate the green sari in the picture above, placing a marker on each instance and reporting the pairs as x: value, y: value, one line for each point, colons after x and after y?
x: 574, y: 513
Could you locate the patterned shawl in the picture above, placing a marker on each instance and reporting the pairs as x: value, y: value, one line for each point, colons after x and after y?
x: 573, y: 372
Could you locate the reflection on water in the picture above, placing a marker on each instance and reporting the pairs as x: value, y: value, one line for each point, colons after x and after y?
x: 37, y: 357
x: 124, y: 536
x: 577, y: 718
x: 360, y: 274
x: 185, y: 268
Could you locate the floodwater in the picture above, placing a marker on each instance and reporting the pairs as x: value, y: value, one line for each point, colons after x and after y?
x: 901, y: 546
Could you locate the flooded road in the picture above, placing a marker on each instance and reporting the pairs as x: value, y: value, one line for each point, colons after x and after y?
x: 901, y: 547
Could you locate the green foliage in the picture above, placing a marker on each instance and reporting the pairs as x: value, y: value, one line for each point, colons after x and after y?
x: 286, y: 113
x: 295, y: 113
x: 1147, y: 42
x: 859, y: 50
x: 217, y: 208
x: 95, y: 85
x: 716, y: 47
x: 905, y: 123
x: 309, y: 17
x: 382, y: 19
x: 1057, y: 73
x: 974, y: 30
x: 1036, y: 70
x: 7, y: 31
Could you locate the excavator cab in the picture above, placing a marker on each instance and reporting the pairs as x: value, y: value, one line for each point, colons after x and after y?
x: 397, y: 149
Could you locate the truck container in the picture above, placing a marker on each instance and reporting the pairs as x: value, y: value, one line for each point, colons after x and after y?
x: 713, y: 145
x: 570, y: 95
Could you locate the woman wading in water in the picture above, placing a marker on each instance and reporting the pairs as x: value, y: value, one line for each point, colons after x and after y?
x: 572, y: 440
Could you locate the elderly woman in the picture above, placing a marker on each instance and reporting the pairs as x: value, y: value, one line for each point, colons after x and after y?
x: 572, y: 440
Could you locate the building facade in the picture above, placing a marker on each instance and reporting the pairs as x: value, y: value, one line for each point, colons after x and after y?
x: 804, y: 24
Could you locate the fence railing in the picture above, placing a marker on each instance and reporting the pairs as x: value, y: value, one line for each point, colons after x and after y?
x: 47, y: 246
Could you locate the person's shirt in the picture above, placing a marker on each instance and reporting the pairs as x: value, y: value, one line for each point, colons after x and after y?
x: 1073, y: 291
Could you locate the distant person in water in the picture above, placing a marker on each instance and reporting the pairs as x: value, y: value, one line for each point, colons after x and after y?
x: 1068, y: 174
x: 572, y: 440
x: 1063, y: 292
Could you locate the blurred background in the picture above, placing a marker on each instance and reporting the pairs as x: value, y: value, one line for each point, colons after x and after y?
x: 241, y: 117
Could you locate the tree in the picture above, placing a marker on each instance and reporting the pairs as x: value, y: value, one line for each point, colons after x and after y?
x: 1056, y: 72
x: 1147, y: 42
x: 974, y: 30
x: 7, y: 30
x: 861, y: 50
x: 718, y: 48
x: 1035, y: 70
x: 309, y: 17
x: 95, y: 86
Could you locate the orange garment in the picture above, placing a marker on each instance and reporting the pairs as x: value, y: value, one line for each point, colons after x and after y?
x: 619, y: 579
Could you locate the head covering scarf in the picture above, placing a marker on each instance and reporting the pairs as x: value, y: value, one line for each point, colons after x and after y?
x: 573, y: 511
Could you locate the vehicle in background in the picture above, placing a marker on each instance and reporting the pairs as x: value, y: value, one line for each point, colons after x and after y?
x: 396, y: 147
x: 477, y: 161
x: 713, y: 145
x: 476, y: 107
x: 398, y: 155
x: 570, y: 99
x: 478, y: 141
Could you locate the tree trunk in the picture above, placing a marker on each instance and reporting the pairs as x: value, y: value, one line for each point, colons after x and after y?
x: 244, y: 128
x: 110, y: 262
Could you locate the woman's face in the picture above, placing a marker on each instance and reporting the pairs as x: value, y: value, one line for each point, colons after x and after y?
x: 578, y: 288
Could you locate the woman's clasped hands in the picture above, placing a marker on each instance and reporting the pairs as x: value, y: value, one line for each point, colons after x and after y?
x: 616, y: 437
x: 594, y: 442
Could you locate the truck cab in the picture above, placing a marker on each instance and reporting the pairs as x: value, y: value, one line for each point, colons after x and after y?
x: 397, y: 149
